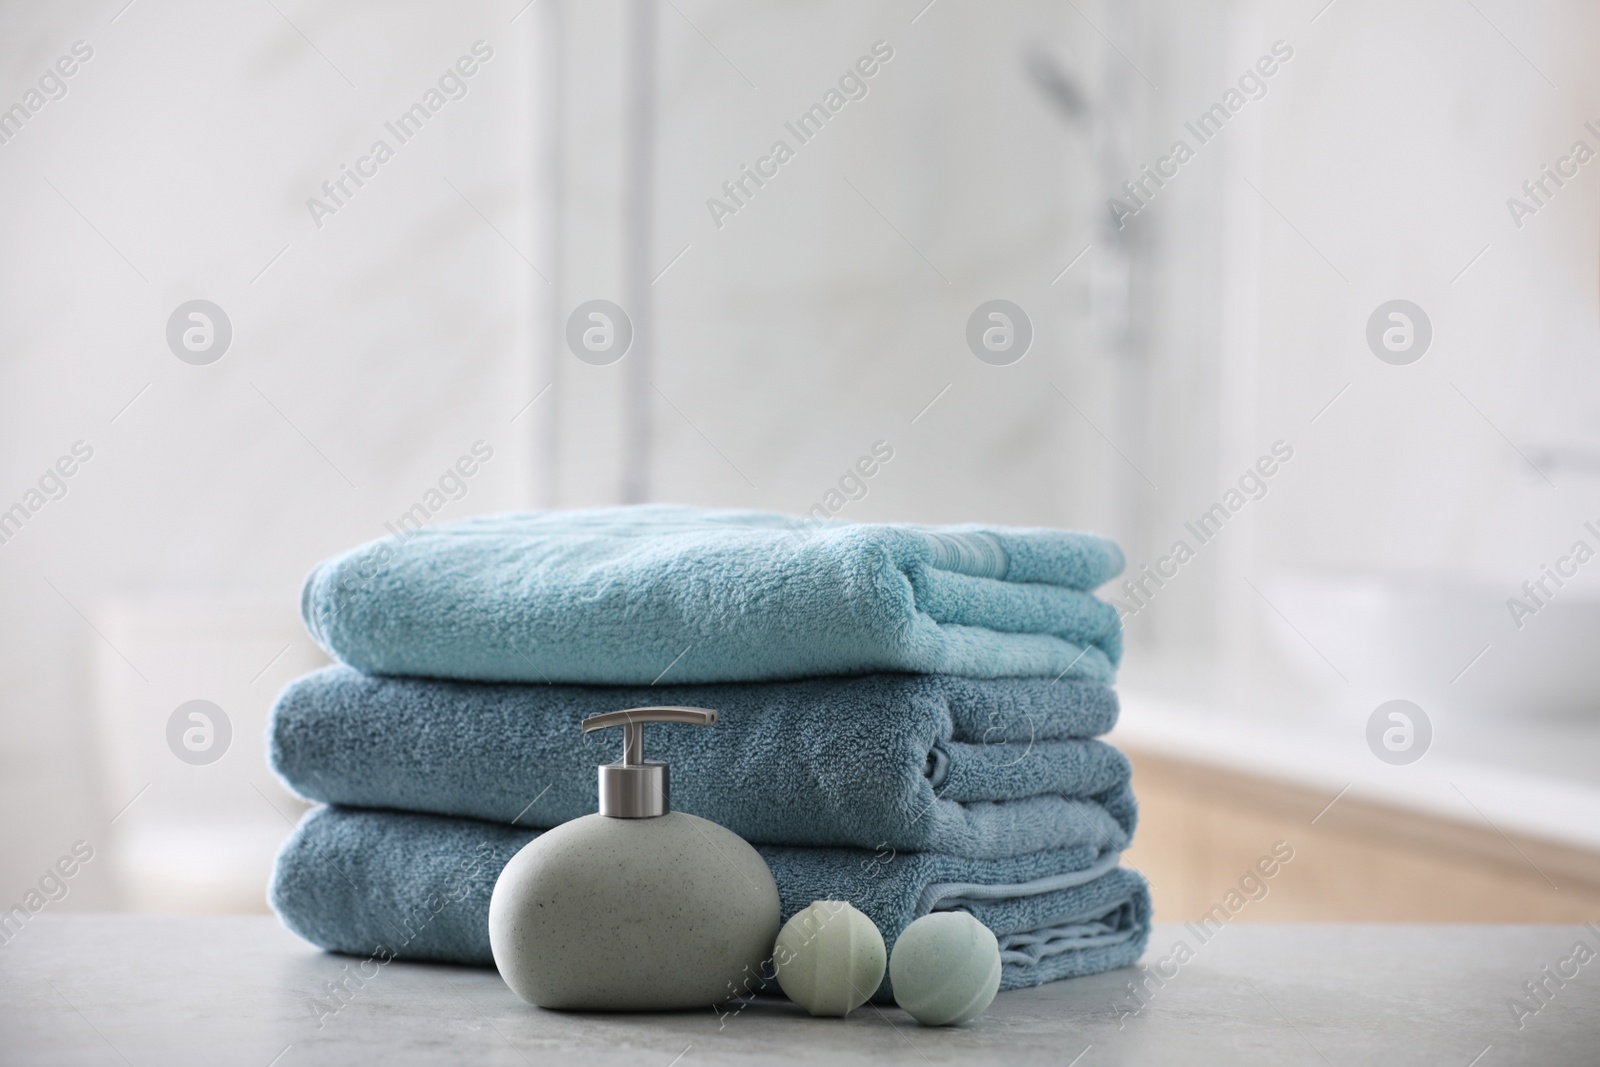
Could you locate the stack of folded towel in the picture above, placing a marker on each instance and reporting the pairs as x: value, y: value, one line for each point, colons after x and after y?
x: 907, y: 721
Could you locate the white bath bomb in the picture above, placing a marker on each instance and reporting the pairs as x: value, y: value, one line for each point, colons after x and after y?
x: 945, y: 969
x: 829, y: 958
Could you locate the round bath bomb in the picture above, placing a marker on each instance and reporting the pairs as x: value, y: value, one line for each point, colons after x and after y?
x: 829, y: 958
x: 945, y: 969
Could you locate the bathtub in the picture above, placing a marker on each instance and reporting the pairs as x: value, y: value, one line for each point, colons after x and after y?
x: 1447, y: 643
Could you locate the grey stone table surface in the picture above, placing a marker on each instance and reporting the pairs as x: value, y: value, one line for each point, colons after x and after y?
x: 226, y: 990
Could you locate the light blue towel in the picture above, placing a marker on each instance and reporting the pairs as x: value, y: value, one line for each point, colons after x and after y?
x: 972, y: 768
x: 418, y: 886
x: 632, y: 596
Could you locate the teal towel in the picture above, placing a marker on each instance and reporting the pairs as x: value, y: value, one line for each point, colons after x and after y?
x: 418, y: 886
x: 972, y: 768
x: 632, y: 596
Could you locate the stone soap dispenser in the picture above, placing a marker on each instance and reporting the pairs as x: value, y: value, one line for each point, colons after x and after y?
x: 637, y: 908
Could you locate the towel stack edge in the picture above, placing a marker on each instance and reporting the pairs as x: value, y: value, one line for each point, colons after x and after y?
x: 975, y: 768
x: 413, y: 886
x: 908, y: 720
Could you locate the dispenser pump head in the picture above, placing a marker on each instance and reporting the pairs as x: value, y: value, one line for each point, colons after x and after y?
x: 633, y: 788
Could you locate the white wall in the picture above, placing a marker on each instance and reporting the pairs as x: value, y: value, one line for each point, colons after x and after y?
x: 805, y: 328
x: 1400, y: 135
x: 375, y: 351
x: 1377, y: 167
x: 825, y: 315
x: 416, y: 320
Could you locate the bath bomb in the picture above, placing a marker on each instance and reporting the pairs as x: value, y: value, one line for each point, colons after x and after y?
x: 829, y: 958
x: 945, y: 969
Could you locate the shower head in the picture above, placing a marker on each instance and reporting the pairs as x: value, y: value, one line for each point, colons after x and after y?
x: 1058, y: 83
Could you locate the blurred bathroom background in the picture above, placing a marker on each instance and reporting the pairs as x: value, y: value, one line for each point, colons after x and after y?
x: 1231, y: 312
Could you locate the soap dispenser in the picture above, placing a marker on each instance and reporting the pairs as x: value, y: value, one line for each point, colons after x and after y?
x: 638, y: 907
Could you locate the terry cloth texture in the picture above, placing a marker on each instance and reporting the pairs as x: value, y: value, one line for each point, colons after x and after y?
x: 417, y: 887
x: 969, y: 768
x: 636, y: 595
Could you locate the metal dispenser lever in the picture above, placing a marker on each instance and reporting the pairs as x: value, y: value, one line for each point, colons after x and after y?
x: 634, y: 788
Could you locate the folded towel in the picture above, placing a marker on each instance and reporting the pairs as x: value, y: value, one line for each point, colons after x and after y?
x: 979, y: 769
x: 631, y: 596
x: 418, y: 887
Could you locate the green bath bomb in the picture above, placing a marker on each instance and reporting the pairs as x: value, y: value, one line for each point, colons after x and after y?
x: 829, y: 958
x: 945, y: 969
